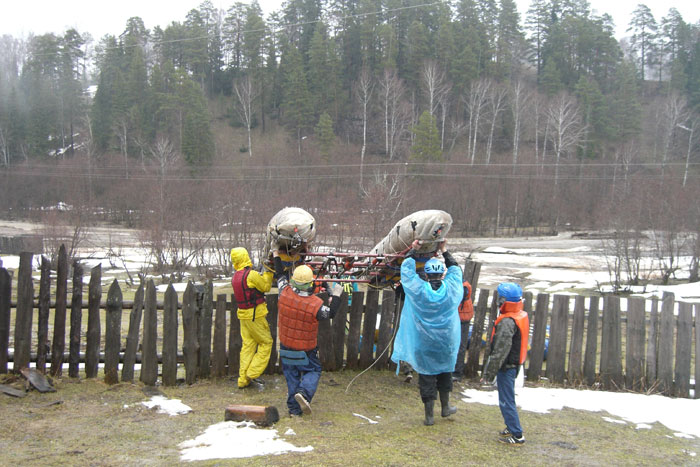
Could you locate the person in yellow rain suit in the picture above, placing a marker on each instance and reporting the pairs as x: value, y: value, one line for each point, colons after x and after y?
x: 249, y: 288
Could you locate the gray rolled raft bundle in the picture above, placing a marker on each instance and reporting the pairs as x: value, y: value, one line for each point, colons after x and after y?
x: 290, y: 231
x: 429, y: 226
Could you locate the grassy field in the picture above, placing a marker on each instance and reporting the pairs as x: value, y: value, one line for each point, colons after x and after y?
x: 89, y: 423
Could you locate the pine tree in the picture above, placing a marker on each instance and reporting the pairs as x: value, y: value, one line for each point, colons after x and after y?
x: 325, y: 135
x: 643, y: 27
x: 426, y: 142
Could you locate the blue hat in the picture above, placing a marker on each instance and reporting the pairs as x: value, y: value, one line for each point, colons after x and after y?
x: 434, y: 266
x: 510, y: 291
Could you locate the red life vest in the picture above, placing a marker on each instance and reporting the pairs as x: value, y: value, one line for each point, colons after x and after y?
x: 466, y: 307
x: 298, y: 326
x: 518, y: 351
x: 246, y: 297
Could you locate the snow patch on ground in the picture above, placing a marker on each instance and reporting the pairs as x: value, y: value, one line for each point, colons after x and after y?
x: 228, y: 440
x: 170, y: 406
x: 679, y: 415
x: 371, y: 422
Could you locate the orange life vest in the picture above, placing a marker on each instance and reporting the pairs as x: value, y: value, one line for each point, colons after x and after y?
x: 298, y: 326
x: 518, y: 351
x: 466, y: 306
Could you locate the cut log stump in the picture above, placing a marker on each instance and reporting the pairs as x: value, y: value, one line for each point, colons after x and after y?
x: 258, y: 414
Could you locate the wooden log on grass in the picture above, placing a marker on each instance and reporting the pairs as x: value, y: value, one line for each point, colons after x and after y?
x: 132, y: 338
x: 170, y: 331
x: 24, y: 313
x: 92, y: 346
x: 42, y: 347
x: 260, y: 415
x: 218, y: 366
x: 539, y: 335
x: 5, y: 295
x: 684, y: 339
x: 113, y: 332
x: 76, y: 321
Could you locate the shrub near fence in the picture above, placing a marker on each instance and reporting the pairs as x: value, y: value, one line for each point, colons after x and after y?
x: 652, y: 363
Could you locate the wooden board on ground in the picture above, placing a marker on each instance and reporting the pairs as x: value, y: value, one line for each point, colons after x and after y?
x: 260, y: 415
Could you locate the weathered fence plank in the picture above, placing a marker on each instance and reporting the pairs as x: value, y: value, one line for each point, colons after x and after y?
x: 204, y: 334
x: 5, y: 297
x: 113, y: 332
x: 664, y: 361
x: 44, y: 310
x: 132, y: 337
x: 539, y: 335
x: 59, y: 318
x: 24, y: 313
x: 385, y: 329
x: 92, y: 338
x: 636, y: 336
x: 556, y: 353
x: 170, y: 331
x: 189, y: 323
x: 149, y: 353
x: 684, y: 340
x: 697, y: 350
x: 471, y: 368
x: 472, y: 271
x: 339, y: 329
x: 576, y: 348
x: 326, y: 354
x: 235, y: 341
x: 591, y: 356
x: 527, y: 304
x: 493, y: 314
x: 354, y: 331
x: 611, y: 345
x: 273, y: 313
x: 218, y: 366
x: 652, y: 343
x: 76, y: 321
x: 369, y: 328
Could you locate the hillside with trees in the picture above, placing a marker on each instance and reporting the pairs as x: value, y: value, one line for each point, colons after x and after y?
x: 360, y: 111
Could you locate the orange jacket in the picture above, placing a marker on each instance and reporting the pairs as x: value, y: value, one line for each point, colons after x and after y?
x: 518, y: 351
x: 466, y: 306
x: 298, y: 326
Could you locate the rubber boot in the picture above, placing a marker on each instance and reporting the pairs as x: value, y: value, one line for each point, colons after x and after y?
x: 447, y: 409
x: 429, y: 420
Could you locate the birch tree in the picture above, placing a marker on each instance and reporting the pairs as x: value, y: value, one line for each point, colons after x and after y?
x: 246, y: 93
x: 396, y: 115
x: 566, y: 128
x: 519, y: 99
x: 475, y: 101
x: 364, y: 88
x: 496, y: 104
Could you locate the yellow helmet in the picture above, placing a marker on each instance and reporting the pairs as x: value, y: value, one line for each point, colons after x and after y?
x: 303, y: 275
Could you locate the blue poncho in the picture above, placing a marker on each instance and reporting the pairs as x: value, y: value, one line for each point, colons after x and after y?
x: 429, y: 334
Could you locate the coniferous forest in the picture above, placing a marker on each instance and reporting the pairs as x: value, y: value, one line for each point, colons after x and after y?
x: 359, y: 111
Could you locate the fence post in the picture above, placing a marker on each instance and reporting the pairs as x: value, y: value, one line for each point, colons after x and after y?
x: 339, y: 322
x: 369, y: 327
x: 539, y: 334
x: 5, y: 300
x: 636, y: 335
x: 356, y: 311
x: 684, y: 339
x: 190, y: 346
x: 325, y: 341
x: 272, y: 313
x: 205, y: 302
x: 664, y: 362
x: 652, y: 343
x: 696, y: 307
x: 591, y: 357
x: 76, y: 320
x: 556, y: 353
x: 149, y: 354
x: 59, y: 321
x: 219, y: 349
x: 24, y: 312
x: 113, y: 332
x: 576, y: 349
x: 132, y: 338
x: 472, y: 270
x: 493, y: 314
x: 471, y: 368
x: 611, y: 345
x: 170, y: 331
x: 235, y: 341
x: 385, y: 329
x: 92, y: 346
x: 44, y: 310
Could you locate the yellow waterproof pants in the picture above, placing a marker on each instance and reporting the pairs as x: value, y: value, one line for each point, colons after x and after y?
x: 255, y: 352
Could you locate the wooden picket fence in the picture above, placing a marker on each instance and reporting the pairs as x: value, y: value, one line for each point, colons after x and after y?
x: 585, y: 345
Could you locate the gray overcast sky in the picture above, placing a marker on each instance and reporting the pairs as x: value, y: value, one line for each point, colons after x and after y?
x: 99, y: 17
